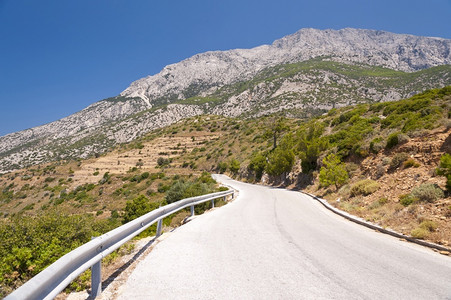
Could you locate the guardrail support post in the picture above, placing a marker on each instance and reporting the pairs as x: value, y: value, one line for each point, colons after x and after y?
x: 192, y: 210
x: 212, y: 203
x: 159, y: 224
x: 96, y: 280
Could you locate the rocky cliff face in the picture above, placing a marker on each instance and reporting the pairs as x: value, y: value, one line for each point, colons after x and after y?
x: 210, y: 70
x: 307, y: 71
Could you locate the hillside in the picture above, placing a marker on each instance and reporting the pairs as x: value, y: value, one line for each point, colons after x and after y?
x: 389, y: 152
x: 302, y: 74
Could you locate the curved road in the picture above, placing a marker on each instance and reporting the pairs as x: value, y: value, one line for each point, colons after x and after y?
x: 277, y: 244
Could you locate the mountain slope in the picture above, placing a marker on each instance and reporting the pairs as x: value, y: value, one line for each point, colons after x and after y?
x: 304, y: 73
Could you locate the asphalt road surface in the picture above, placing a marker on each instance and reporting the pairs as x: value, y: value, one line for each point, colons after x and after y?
x: 276, y: 244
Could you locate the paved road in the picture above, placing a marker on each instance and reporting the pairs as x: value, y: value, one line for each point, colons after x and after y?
x: 278, y: 244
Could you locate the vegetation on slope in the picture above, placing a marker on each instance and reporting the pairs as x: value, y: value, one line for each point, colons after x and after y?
x: 379, y: 160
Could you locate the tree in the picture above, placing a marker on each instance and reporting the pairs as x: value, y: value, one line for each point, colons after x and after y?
x: 276, y: 127
x: 310, y: 145
x: 280, y: 160
x: 258, y: 165
x: 333, y: 172
x: 234, y: 166
x: 138, y: 207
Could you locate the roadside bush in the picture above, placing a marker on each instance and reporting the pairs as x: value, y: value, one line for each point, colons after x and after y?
x: 333, y: 172
x: 397, y: 160
x: 280, y: 161
x: 419, y: 233
x: 222, y: 167
x: 429, y: 225
x: 234, y: 166
x: 364, y: 187
x: 257, y: 165
x: 427, y: 192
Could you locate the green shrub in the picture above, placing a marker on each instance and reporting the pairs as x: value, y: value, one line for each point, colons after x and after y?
x: 280, y: 161
x: 257, y: 165
x: 138, y: 207
x: 419, y: 233
x: 234, y: 166
x: 392, y: 140
x: 222, y: 167
x: 333, y: 172
x: 397, y: 160
x: 364, y: 187
x: 427, y: 192
x: 429, y: 225
x: 407, y: 199
x: 444, y: 169
x: 410, y: 163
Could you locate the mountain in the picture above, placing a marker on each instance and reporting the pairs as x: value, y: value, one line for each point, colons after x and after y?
x: 301, y: 74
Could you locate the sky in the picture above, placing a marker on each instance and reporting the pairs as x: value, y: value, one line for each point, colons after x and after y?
x: 57, y: 57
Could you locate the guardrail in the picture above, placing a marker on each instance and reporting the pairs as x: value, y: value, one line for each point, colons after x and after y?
x: 52, y: 280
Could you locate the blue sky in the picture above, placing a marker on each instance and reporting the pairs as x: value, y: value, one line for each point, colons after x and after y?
x: 57, y: 57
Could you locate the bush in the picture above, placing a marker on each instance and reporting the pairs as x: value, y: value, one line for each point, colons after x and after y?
x: 222, y: 167
x: 392, y: 140
x: 280, y: 161
x: 333, y: 172
x: 364, y: 187
x: 429, y: 225
x: 407, y: 199
x: 444, y: 169
x: 410, y: 163
x: 397, y: 160
x: 419, y: 233
x: 138, y: 207
x: 258, y: 165
x: 427, y: 192
x: 234, y: 166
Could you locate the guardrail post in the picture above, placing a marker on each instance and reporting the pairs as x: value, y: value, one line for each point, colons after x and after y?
x: 159, y: 224
x: 225, y: 199
x: 212, y: 203
x: 96, y: 280
x: 192, y: 210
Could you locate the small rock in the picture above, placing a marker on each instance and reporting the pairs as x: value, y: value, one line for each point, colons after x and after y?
x: 444, y: 253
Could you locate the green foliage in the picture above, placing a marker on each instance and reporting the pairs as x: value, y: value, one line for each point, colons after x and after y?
x: 182, y: 189
x: 444, y: 169
x: 427, y: 192
x: 419, y: 233
x: 138, y: 207
x: 258, y: 164
x: 29, y: 244
x: 392, y: 140
x: 234, y: 166
x: 364, y: 187
x: 161, y: 161
x: 280, y: 160
x: 351, y: 135
x: 410, y: 162
x: 407, y: 199
x: 333, y: 172
x: 310, y: 144
x: 222, y: 167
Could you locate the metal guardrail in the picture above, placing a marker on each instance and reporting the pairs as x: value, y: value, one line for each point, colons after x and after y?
x: 52, y: 280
